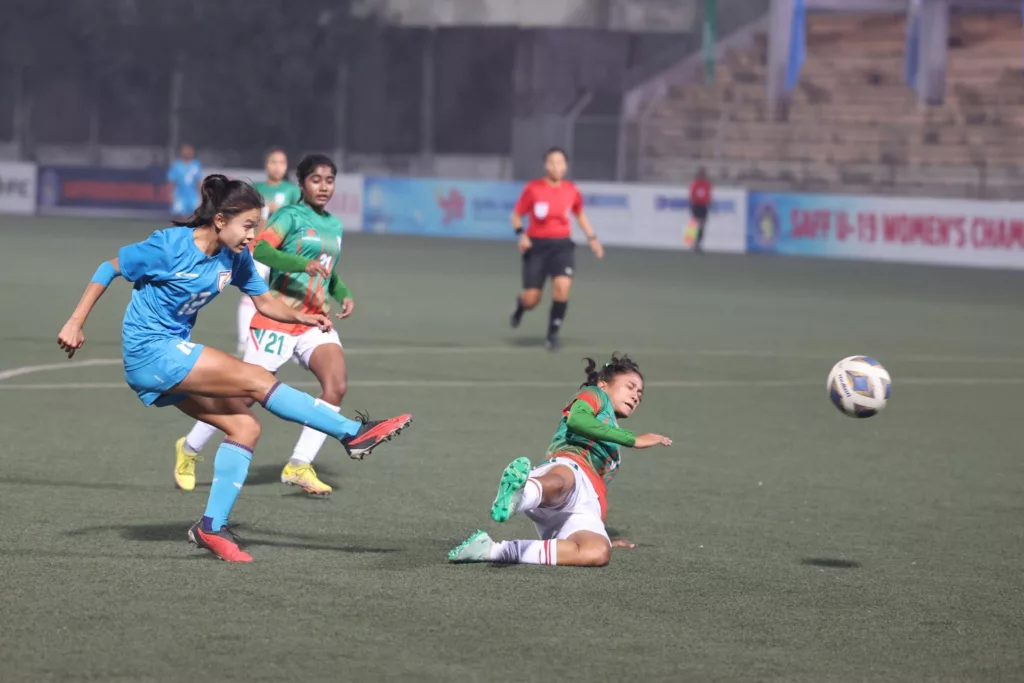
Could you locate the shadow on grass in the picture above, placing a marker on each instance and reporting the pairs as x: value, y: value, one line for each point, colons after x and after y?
x: 525, y: 342
x: 177, y: 531
x: 261, y: 475
x: 830, y: 563
x: 73, y: 554
x: 97, y: 485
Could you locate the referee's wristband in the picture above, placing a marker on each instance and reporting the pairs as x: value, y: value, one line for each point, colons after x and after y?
x: 519, y: 230
x: 592, y: 238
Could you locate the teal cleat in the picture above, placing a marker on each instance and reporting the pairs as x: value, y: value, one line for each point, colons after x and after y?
x: 510, y: 490
x: 476, y: 548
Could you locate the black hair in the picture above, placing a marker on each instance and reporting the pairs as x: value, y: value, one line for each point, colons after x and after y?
x: 222, y: 196
x: 618, y: 365
x: 556, y: 150
x: 309, y: 163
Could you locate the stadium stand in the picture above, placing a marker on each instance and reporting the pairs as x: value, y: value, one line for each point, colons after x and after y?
x: 853, y: 125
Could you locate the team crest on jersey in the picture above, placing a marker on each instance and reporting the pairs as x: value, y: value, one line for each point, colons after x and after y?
x: 540, y: 210
x: 279, y: 198
x: 223, y: 278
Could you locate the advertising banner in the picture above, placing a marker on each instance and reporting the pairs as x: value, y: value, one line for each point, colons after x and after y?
x: 17, y: 188
x: 87, y: 190
x: 656, y: 216
x: 640, y: 216
x: 935, y: 231
x: 347, y: 203
x: 441, y: 208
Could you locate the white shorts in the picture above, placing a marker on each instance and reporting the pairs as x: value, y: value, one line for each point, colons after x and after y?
x: 580, y: 512
x: 271, y: 349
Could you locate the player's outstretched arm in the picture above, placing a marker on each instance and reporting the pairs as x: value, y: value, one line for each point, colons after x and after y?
x: 583, y: 420
x: 282, y: 313
x: 267, y: 254
x: 651, y: 440
x: 72, y: 335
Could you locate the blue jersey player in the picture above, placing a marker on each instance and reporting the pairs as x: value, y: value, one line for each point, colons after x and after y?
x: 184, y: 175
x: 175, y: 273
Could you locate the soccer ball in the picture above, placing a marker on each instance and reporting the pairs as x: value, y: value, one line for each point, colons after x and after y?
x: 859, y: 386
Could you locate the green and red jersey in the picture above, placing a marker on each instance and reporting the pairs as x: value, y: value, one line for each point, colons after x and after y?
x: 280, y: 195
x: 589, y: 434
x: 602, y: 456
x: 300, y: 231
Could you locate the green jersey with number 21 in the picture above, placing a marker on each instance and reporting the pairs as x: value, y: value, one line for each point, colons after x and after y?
x: 298, y: 229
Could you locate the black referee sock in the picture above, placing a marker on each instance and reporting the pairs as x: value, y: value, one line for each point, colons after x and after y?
x: 517, y: 315
x: 558, y: 309
x: 519, y: 308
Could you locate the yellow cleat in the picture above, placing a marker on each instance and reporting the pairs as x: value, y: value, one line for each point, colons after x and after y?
x: 304, y: 476
x: 184, y: 466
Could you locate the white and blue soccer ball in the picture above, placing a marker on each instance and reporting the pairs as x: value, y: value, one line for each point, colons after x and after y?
x: 859, y: 386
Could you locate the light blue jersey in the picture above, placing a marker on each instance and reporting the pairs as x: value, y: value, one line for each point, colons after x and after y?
x: 172, y: 279
x: 185, y: 176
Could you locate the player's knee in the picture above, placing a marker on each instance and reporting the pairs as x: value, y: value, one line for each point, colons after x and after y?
x: 258, y: 381
x: 245, y: 429
x: 334, y: 390
x: 596, y: 554
x: 558, y: 483
x: 253, y: 428
x: 529, y: 299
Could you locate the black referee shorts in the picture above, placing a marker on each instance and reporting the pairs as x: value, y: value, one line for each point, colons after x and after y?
x: 548, y: 258
x: 699, y: 213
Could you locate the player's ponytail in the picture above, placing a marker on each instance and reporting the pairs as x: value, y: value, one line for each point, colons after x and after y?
x: 618, y: 365
x: 591, y: 371
x: 222, y: 196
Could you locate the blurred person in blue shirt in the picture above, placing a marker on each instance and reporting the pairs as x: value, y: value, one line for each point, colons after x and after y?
x: 185, y: 174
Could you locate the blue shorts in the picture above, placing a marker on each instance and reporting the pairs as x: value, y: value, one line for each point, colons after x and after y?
x: 153, y: 380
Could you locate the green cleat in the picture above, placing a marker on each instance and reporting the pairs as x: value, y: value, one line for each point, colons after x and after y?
x: 476, y: 548
x: 510, y: 490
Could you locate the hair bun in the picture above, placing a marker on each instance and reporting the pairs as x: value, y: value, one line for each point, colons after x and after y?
x: 214, y: 186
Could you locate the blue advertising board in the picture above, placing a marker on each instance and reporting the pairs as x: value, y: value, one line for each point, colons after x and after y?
x: 440, y: 208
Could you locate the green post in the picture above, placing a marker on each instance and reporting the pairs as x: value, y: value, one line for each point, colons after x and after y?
x: 710, y: 39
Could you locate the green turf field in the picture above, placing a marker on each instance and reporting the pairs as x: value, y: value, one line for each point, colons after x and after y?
x: 778, y: 539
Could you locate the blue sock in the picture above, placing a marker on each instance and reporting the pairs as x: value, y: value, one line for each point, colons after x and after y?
x: 296, y: 406
x: 229, y: 470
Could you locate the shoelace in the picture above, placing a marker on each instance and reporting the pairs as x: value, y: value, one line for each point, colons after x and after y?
x: 189, y: 463
x: 230, y: 531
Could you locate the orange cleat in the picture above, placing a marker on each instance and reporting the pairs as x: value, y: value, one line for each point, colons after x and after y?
x: 222, y: 544
x: 373, y: 433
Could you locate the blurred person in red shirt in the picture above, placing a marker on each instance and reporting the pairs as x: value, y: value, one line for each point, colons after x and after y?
x: 700, y: 204
x: 546, y: 246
